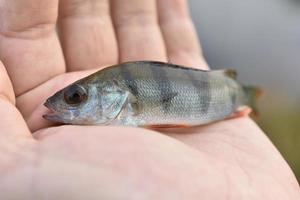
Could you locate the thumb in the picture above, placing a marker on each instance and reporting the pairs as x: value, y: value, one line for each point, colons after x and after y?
x: 12, y: 124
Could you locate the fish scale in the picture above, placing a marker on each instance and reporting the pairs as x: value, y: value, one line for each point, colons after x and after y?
x: 195, y: 89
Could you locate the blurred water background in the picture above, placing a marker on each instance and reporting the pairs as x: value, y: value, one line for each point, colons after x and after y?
x: 261, y: 39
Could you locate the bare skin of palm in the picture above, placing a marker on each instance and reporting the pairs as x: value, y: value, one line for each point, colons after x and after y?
x: 232, y: 159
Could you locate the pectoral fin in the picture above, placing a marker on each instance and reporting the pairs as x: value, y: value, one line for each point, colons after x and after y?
x: 113, y: 100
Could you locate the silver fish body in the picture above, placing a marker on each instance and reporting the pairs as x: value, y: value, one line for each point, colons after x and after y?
x: 147, y: 93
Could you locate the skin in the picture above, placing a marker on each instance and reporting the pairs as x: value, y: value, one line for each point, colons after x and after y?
x: 232, y: 159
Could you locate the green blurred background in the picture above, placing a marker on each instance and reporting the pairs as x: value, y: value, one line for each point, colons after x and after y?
x: 261, y: 39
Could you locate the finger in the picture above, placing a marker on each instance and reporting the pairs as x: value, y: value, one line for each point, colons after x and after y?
x: 137, y: 29
x: 29, y: 46
x: 87, y: 34
x: 12, y: 124
x: 179, y: 34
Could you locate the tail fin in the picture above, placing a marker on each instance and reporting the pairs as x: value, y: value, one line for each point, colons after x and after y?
x: 252, y: 93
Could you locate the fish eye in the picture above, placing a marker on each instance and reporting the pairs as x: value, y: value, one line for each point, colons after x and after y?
x: 75, y: 95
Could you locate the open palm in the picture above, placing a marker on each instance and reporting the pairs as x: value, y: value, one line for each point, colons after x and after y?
x: 231, y: 159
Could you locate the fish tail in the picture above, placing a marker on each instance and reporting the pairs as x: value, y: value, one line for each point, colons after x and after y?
x: 252, y: 94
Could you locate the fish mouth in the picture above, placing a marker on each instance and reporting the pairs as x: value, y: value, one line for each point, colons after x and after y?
x: 53, y: 115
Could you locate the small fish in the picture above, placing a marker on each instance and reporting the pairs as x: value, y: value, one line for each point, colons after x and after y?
x: 152, y: 94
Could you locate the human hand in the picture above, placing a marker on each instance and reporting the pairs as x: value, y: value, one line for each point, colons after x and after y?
x: 232, y: 158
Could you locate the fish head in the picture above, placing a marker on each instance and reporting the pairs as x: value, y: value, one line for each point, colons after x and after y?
x: 86, y: 103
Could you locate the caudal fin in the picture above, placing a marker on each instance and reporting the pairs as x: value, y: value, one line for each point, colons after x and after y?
x: 252, y: 93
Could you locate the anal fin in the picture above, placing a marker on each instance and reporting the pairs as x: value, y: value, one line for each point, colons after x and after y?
x: 164, y: 126
x: 241, y: 112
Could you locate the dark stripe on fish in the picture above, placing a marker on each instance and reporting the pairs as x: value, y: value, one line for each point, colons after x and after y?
x: 129, y: 80
x: 233, y: 98
x: 202, y: 86
x: 163, y: 85
x: 168, y: 65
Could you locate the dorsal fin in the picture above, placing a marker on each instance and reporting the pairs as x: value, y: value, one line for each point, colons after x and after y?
x: 231, y: 73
